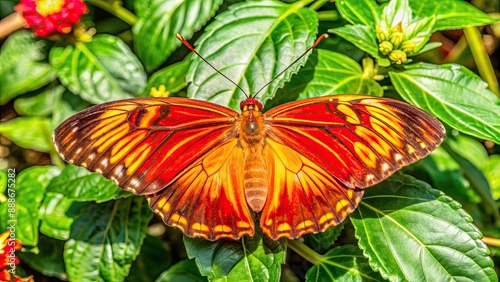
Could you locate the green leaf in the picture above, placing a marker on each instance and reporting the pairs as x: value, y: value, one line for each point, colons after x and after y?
x: 106, y: 239
x: 3, y: 183
x: 154, y: 32
x: 361, y: 36
x: 21, y: 52
x: 477, y: 180
x: 327, y: 73
x: 101, y: 70
x: 476, y: 152
x: 49, y: 258
x: 335, y: 73
x: 155, y: 257
x: 450, y: 14
x: 251, y: 43
x: 453, y: 94
x: 395, y: 12
x: 79, y: 184
x: 140, y: 7
x: 419, y: 32
x: 252, y: 258
x: 365, y: 12
x: 491, y: 170
x: 410, y: 231
x: 344, y: 263
x: 27, y: 195
x: 185, y: 271
x: 57, y: 214
x: 446, y: 174
x: 320, y: 242
x: 172, y: 77
x: 41, y: 104
x: 29, y: 132
x: 429, y: 46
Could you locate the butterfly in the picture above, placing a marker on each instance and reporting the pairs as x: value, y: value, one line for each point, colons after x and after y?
x: 208, y: 170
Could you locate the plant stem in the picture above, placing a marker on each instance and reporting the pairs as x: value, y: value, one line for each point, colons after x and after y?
x: 482, y: 59
x: 116, y: 10
x: 305, y: 252
x: 490, y: 241
x: 10, y: 24
x: 328, y: 15
x: 316, y: 5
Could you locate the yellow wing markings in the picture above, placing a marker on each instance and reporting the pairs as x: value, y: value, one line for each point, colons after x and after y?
x: 208, y: 204
x: 317, y: 200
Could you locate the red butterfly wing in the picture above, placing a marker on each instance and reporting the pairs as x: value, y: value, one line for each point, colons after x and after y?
x: 360, y: 140
x: 143, y: 144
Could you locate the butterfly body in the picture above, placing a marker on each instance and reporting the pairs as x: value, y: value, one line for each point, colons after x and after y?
x: 252, y: 141
x: 302, y: 166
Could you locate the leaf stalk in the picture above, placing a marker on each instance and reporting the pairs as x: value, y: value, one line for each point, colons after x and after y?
x: 304, y: 251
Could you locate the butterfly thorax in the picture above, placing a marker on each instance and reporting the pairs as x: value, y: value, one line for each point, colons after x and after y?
x: 255, y: 172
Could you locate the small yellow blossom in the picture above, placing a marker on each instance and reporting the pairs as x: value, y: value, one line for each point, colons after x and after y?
x: 398, y: 56
x: 385, y: 47
x: 408, y: 46
x: 160, y: 92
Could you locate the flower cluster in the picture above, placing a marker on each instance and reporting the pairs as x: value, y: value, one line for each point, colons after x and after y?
x: 8, y: 258
x: 48, y: 17
x: 392, y: 43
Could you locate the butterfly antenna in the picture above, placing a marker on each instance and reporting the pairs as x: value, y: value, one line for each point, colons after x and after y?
x: 197, y: 54
x: 323, y: 36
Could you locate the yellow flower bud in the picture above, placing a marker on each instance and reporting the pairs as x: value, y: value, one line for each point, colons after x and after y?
x: 385, y: 47
x: 398, y: 56
x: 160, y: 92
x: 396, y: 38
x: 382, y: 34
x: 408, y: 46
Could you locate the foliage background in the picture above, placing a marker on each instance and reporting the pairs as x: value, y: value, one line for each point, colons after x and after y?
x: 80, y: 226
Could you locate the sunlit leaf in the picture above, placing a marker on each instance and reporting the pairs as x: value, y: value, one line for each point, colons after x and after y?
x: 365, y: 12
x: 450, y: 14
x: 41, y: 104
x: 345, y: 263
x: 101, y: 70
x: 361, y: 36
x: 251, y: 43
x: 29, y: 132
x: 410, y: 231
x: 105, y: 240
x: 453, y: 94
x: 154, y: 32
x: 21, y: 52
x: 25, y: 196
x: 254, y: 258
x: 57, y: 214
x: 79, y: 184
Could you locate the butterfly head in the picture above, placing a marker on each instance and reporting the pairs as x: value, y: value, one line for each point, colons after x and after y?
x: 250, y: 101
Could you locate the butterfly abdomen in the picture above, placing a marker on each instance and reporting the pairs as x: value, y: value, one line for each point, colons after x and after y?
x: 255, y: 180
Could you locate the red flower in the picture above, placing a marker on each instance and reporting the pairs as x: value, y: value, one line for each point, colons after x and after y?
x: 8, y: 257
x: 48, y: 17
